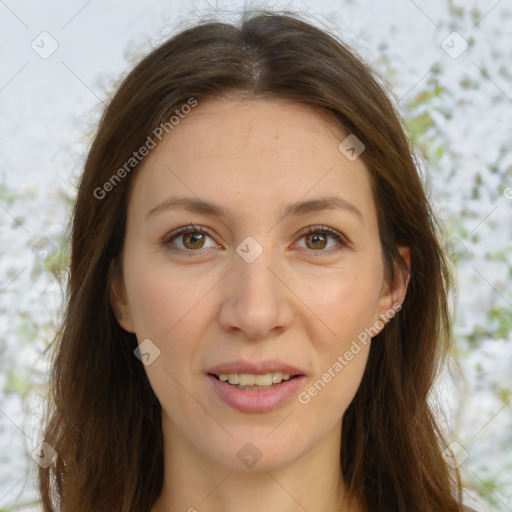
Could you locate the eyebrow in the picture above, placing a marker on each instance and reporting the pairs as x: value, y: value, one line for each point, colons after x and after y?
x: 196, y: 205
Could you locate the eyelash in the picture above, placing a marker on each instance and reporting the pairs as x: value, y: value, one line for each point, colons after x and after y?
x: 311, y: 230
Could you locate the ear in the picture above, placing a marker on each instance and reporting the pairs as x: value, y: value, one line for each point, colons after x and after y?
x: 119, y: 301
x: 393, y: 294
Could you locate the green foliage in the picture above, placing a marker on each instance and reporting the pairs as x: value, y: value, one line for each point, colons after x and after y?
x: 500, y: 322
x: 7, y: 196
x: 420, y: 126
x: 17, y: 382
x: 504, y: 393
x: 487, y: 487
x: 426, y: 97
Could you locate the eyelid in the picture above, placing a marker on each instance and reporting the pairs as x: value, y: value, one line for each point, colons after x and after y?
x: 343, y: 240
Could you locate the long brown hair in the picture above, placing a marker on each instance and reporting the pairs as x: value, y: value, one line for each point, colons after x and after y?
x: 104, y: 419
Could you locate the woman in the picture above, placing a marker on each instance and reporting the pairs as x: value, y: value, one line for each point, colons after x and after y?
x: 257, y: 301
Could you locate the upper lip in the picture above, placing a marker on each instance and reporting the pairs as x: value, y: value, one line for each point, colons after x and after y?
x: 255, y: 368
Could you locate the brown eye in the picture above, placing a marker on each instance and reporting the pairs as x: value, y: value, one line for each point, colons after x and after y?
x: 195, y: 239
x: 191, y: 240
x: 317, y: 239
x: 188, y: 240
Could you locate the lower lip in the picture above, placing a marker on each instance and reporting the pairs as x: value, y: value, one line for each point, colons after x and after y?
x: 256, y: 401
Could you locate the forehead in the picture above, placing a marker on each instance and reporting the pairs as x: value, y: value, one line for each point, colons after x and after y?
x: 251, y: 155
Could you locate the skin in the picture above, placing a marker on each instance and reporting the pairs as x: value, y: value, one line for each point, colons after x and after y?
x: 302, y: 301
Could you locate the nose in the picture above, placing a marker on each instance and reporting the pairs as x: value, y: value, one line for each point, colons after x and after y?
x: 256, y: 299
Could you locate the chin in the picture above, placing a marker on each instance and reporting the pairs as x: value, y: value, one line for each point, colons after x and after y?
x: 256, y: 452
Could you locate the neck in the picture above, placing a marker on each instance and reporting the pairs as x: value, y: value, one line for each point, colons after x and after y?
x: 194, y: 482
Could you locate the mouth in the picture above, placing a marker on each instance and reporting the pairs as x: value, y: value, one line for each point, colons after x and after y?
x: 254, y: 382
x: 255, y: 392
x: 255, y: 386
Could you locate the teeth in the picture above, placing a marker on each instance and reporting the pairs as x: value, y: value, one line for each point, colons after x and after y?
x: 247, y: 379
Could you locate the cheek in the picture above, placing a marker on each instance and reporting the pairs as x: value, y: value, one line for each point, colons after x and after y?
x: 332, y: 391
x: 162, y: 298
x: 346, y: 303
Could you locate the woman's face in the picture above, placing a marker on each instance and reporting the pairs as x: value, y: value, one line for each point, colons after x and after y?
x: 248, y: 290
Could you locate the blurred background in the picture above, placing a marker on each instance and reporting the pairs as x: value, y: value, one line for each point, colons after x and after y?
x: 448, y: 63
